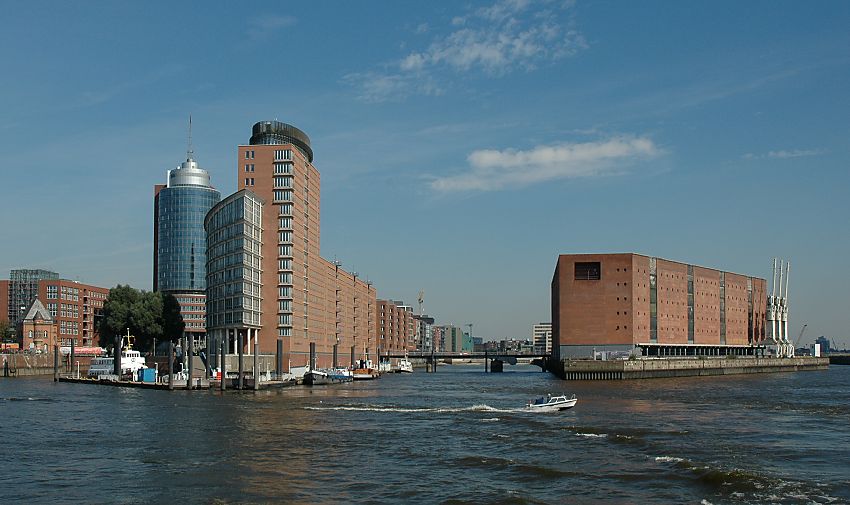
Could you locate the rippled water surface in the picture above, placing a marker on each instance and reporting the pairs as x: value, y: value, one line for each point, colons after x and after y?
x: 457, y: 436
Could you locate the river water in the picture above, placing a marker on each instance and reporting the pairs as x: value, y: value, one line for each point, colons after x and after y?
x: 457, y: 436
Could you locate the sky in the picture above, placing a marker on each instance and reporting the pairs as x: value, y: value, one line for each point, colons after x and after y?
x: 462, y: 145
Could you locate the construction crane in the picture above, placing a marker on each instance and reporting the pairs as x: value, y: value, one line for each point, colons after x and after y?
x: 800, y: 336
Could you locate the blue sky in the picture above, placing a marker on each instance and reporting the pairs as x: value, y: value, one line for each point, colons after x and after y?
x: 462, y: 145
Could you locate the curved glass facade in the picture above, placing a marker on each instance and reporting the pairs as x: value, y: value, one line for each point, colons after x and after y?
x: 182, y: 243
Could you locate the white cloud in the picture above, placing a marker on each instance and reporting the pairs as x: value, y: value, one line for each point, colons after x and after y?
x: 507, y: 36
x: 784, y: 154
x: 497, y: 169
x: 375, y: 87
x: 262, y: 27
x: 422, y: 28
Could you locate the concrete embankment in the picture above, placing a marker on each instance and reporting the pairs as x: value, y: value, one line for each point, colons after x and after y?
x: 25, y: 364
x: 839, y: 359
x: 572, y: 369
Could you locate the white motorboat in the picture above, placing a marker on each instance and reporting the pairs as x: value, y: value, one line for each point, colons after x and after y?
x: 131, y: 362
x: 405, y: 366
x: 551, y: 403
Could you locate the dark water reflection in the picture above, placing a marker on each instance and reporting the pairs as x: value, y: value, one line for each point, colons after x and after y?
x: 458, y: 436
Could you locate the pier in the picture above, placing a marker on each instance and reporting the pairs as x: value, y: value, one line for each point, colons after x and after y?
x: 585, y: 369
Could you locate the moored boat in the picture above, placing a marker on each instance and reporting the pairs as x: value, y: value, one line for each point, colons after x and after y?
x: 405, y: 366
x: 316, y: 378
x: 131, y: 362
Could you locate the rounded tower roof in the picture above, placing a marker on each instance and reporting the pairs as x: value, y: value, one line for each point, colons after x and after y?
x: 189, y: 173
x: 276, y: 132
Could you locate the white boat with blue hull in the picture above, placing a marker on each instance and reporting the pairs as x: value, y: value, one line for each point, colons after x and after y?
x: 131, y: 362
x: 551, y: 403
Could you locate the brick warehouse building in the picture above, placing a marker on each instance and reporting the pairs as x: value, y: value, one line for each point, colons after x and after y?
x: 303, y: 298
x: 624, y: 302
x: 395, y: 326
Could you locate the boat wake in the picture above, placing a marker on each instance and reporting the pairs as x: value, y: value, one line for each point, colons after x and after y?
x: 414, y: 410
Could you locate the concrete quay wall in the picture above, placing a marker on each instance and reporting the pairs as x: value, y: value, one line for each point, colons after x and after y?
x: 674, y: 367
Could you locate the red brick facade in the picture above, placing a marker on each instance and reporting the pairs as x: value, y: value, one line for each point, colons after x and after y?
x: 394, y: 326
x: 612, y: 307
x: 75, y: 308
x: 329, y: 306
x: 4, y: 301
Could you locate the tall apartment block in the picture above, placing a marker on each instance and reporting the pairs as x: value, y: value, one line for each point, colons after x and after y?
x: 424, y: 340
x: 630, y: 302
x: 454, y: 339
x: 541, y: 337
x: 302, y: 297
x: 75, y: 309
x: 4, y: 301
x: 394, y: 326
x: 180, y: 242
x: 23, y: 288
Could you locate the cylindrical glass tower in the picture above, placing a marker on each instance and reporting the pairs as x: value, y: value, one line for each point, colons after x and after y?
x: 181, y: 249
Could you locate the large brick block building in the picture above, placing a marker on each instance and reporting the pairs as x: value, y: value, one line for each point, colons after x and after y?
x: 301, y: 298
x: 628, y: 302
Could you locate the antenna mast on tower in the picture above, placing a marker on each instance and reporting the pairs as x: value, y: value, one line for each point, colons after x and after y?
x: 189, y: 151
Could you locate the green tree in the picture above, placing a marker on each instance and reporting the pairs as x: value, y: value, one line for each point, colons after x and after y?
x: 172, y: 321
x: 5, y: 330
x: 148, y: 315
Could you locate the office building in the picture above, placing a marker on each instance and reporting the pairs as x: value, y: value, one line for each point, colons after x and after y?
x: 303, y: 297
x: 234, y: 229
x: 23, y: 288
x: 75, y: 308
x: 454, y: 338
x: 180, y: 247
x: 630, y: 303
x: 4, y: 301
x: 541, y: 336
x: 424, y: 334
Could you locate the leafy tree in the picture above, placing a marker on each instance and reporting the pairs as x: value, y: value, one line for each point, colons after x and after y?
x: 5, y: 330
x: 172, y: 321
x: 148, y: 315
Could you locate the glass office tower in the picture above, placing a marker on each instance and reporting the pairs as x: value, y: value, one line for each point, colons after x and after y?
x: 180, y: 243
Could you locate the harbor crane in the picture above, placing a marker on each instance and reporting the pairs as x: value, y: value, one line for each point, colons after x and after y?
x: 800, y: 336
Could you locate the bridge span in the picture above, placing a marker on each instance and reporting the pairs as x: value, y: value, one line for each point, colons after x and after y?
x: 493, y: 361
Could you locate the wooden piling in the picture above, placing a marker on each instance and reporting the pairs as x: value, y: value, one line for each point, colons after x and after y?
x: 116, y: 356
x: 73, y: 355
x: 56, y: 363
x: 189, y: 346
x: 256, y: 366
x: 241, y: 349
x: 279, y: 358
x: 170, y: 365
x: 223, y: 364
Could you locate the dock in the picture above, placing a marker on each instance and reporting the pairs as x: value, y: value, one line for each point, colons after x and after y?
x: 650, y: 368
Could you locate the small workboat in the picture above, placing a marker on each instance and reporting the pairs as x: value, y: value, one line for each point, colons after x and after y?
x: 405, y: 366
x: 551, y: 403
x: 316, y: 378
x: 340, y: 374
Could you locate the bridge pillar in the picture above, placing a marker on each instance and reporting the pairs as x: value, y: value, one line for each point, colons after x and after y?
x: 486, y: 362
x: 497, y: 366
